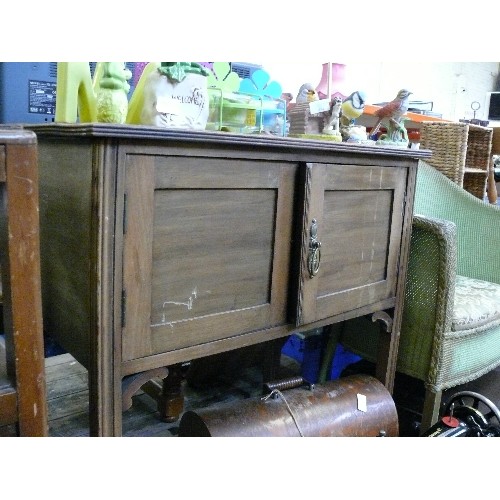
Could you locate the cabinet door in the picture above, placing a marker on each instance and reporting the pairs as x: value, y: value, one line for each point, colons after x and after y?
x: 206, y: 249
x: 351, y: 238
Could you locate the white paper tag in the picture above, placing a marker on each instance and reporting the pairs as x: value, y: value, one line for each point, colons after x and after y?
x: 165, y: 104
x: 319, y: 106
x: 362, y: 402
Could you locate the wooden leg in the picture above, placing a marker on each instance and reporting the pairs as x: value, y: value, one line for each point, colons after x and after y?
x: 491, y: 186
x: 22, y: 303
x: 168, y: 394
x: 272, y: 359
x: 334, y: 334
x: 171, y: 402
x: 432, y: 406
x: 387, y: 350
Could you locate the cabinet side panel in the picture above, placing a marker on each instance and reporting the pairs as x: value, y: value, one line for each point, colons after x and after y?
x: 65, y: 241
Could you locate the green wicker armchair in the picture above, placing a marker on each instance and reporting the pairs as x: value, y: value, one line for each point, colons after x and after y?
x: 450, y: 331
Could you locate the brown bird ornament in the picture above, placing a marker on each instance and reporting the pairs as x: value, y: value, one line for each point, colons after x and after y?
x: 392, y: 111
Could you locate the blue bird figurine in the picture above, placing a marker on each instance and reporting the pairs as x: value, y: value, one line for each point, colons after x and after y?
x: 353, y: 107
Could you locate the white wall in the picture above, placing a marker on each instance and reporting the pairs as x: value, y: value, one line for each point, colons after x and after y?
x: 451, y: 86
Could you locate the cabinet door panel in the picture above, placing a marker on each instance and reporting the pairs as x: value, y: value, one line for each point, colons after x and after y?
x: 359, y: 214
x: 206, y: 250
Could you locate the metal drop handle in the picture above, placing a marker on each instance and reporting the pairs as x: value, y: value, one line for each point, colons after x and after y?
x: 314, y: 259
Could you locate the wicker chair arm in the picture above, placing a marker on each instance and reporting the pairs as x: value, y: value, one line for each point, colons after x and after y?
x: 429, y: 293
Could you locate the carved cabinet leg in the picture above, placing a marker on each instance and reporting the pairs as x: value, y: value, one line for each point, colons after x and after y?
x: 171, y: 401
x: 168, y: 394
x: 387, y: 349
x: 132, y: 383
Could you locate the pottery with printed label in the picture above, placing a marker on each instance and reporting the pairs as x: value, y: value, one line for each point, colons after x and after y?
x: 175, y: 95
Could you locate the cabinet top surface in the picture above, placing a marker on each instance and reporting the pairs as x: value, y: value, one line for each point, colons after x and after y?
x: 177, y: 136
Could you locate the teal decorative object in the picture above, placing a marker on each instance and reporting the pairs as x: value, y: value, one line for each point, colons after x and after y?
x: 259, y: 84
x: 272, y: 115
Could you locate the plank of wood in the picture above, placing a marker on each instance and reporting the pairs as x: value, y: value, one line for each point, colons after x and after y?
x: 8, y: 431
x: 70, y: 404
x: 75, y: 425
x: 59, y: 359
x: 67, y: 385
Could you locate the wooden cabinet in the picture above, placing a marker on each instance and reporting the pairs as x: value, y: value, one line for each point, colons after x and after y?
x: 163, y: 246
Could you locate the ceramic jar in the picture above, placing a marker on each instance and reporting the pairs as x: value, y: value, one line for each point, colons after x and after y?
x: 176, y: 96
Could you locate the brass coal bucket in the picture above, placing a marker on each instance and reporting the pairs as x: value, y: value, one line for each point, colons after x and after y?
x: 353, y: 406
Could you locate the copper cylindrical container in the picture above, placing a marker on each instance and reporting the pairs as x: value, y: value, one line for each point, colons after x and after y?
x: 354, y: 406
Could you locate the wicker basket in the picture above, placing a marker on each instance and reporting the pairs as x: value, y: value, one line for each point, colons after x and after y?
x: 461, y: 151
x: 448, y: 143
x: 478, y: 160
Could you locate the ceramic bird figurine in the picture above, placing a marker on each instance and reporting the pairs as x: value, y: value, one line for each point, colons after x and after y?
x: 392, y: 111
x: 352, y: 108
x: 306, y: 94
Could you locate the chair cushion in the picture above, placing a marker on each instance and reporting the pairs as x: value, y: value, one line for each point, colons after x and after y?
x: 477, y: 303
